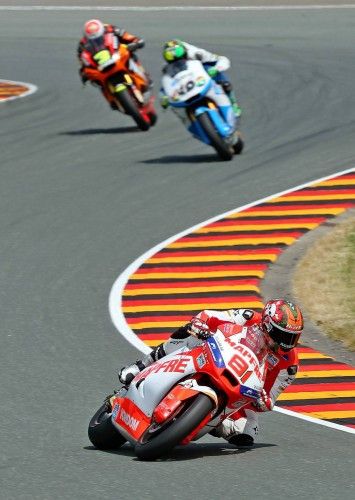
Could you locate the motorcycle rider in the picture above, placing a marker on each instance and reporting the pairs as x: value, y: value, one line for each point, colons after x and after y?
x: 94, y: 36
x: 214, y: 64
x: 280, y: 323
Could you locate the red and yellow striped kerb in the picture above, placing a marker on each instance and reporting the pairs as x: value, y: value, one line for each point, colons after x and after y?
x: 220, y: 266
x: 11, y: 90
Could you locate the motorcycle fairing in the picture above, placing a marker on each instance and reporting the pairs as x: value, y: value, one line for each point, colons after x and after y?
x: 104, y: 59
x: 189, y: 84
x: 242, y: 362
x: 148, y: 386
x: 132, y: 414
x: 169, y: 405
x: 216, y: 353
x: 114, y: 71
x: 129, y: 419
x: 158, y: 393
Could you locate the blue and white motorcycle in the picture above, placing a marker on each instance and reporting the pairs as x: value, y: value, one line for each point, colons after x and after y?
x: 193, y: 95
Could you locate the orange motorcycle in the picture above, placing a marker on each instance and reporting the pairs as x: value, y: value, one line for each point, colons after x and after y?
x: 122, y: 81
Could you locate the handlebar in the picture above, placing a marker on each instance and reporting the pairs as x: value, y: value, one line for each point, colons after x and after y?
x: 135, y: 45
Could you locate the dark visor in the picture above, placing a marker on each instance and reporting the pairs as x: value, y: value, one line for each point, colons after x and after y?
x: 286, y: 340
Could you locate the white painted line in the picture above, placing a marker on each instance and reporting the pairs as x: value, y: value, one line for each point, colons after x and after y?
x: 172, y: 8
x: 115, y: 297
x: 318, y: 421
x: 31, y: 90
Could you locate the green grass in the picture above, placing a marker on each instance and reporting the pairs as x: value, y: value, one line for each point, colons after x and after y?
x: 324, y: 283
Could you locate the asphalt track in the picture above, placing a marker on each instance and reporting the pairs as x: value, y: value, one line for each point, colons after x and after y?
x: 82, y: 194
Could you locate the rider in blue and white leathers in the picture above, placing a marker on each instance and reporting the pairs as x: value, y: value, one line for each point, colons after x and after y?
x: 214, y: 64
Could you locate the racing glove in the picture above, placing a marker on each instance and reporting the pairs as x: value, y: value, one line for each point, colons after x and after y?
x: 135, y: 45
x: 198, y: 329
x: 212, y: 71
x: 264, y: 402
x: 164, y: 101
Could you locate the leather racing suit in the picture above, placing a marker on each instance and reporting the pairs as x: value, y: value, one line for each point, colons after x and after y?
x: 220, y: 64
x: 120, y: 36
x: 281, y: 369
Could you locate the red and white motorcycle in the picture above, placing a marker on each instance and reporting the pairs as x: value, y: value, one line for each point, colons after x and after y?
x: 184, y: 395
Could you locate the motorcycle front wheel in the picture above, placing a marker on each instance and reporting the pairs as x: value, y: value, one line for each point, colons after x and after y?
x: 224, y: 150
x: 131, y: 108
x: 102, y: 433
x: 185, y: 422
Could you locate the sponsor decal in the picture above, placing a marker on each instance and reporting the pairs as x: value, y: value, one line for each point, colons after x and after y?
x: 201, y: 361
x: 130, y: 421
x: 200, y: 81
x: 216, y: 353
x: 272, y: 360
x: 248, y: 357
x: 228, y: 329
x: 176, y: 365
x: 248, y: 391
x: 115, y: 410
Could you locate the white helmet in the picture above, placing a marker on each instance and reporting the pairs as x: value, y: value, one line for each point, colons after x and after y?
x: 93, y: 29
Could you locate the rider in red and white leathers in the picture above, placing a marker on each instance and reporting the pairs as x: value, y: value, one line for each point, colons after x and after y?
x: 281, y: 324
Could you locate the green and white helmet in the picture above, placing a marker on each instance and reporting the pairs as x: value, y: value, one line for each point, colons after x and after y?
x: 174, y: 50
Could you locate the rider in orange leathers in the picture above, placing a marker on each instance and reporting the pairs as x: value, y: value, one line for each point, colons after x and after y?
x: 97, y: 34
x: 281, y: 324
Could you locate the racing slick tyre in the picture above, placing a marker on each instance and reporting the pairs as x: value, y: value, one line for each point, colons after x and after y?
x: 192, y: 414
x: 131, y: 108
x: 224, y: 150
x: 102, y: 432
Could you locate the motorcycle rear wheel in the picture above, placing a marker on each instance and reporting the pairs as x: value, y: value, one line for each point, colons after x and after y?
x: 102, y: 433
x: 224, y: 150
x: 131, y: 108
x: 187, y: 420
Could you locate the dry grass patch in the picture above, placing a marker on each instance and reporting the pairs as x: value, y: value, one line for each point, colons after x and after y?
x: 324, y: 282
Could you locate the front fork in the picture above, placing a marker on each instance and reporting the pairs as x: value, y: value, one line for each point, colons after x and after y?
x: 127, y: 83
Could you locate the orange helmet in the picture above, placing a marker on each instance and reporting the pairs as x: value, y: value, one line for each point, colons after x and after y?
x: 282, y: 321
x: 93, y: 29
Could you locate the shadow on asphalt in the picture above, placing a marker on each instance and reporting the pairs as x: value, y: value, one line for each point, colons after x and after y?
x: 183, y: 159
x: 191, y: 452
x: 94, y: 131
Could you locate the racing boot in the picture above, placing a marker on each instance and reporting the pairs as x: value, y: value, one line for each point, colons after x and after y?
x: 239, y: 430
x: 242, y: 441
x: 227, y: 87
